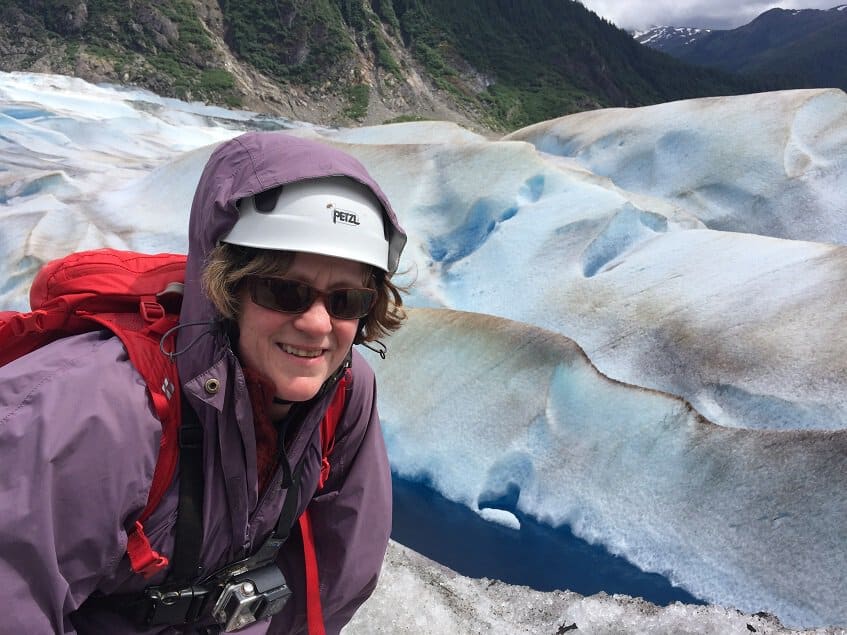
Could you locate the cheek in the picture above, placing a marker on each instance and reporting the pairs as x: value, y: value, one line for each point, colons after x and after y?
x: 250, y: 321
x: 345, y: 331
x: 256, y: 324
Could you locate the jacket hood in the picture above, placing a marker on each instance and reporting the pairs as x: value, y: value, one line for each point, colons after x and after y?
x: 244, y: 166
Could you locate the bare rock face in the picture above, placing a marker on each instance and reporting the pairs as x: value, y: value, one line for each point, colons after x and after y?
x: 163, y: 30
x: 94, y: 69
x: 69, y: 18
x: 54, y: 41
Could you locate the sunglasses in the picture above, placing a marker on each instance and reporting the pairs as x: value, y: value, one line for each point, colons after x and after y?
x: 291, y: 296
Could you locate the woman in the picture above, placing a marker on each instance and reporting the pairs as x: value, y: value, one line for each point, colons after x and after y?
x: 291, y: 249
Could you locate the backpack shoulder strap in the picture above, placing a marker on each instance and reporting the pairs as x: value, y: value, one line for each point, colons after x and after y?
x: 329, y: 423
x: 160, y: 375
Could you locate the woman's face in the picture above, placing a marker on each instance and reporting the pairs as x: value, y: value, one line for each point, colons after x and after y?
x: 298, y: 352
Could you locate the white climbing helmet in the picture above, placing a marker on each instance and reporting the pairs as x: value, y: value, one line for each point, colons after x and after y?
x: 334, y: 216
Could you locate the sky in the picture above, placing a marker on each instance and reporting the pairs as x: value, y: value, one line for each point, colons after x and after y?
x: 671, y: 391
x: 712, y: 14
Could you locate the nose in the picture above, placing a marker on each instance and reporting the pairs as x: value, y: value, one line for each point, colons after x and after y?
x: 315, y: 319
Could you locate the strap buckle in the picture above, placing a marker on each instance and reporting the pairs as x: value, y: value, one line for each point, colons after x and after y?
x: 151, y: 310
x: 142, y: 558
x: 167, y: 607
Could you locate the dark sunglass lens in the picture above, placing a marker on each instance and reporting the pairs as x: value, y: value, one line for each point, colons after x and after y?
x: 349, y: 304
x: 290, y: 296
x: 282, y: 295
x: 293, y: 296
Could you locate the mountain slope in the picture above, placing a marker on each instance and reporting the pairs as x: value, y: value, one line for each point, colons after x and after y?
x: 671, y: 39
x: 802, y: 48
x: 540, y: 57
x: 489, y: 64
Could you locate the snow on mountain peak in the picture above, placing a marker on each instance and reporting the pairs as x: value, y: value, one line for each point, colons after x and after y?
x: 664, y: 34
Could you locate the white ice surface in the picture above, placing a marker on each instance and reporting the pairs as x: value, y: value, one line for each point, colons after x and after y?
x: 416, y: 596
x: 694, y: 251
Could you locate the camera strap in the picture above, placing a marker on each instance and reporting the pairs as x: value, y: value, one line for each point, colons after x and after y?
x: 187, y: 596
x: 182, y: 598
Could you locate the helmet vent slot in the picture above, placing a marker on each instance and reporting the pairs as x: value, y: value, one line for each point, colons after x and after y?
x: 266, y: 201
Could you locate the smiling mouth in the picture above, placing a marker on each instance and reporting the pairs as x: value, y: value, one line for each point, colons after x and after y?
x: 302, y: 352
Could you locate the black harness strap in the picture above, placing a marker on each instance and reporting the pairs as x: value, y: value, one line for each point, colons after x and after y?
x: 185, y: 563
x: 186, y: 596
x: 169, y: 603
x: 287, y: 515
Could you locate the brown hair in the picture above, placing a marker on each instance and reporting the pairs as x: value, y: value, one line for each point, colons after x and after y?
x: 228, y: 266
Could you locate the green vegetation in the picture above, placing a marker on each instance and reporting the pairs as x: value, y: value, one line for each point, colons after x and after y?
x: 295, y: 40
x: 384, y: 58
x: 308, y: 41
x: 405, y: 119
x: 510, y: 62
x: 795, y: 50
x: 162, y: 44
x: 71, y: 52
x: 545, y: 58
x: 385, y: 10
x: 357, y: 96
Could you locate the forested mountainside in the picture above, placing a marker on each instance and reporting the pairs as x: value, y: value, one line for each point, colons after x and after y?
x: 490, y: 64
x: 804, y: 48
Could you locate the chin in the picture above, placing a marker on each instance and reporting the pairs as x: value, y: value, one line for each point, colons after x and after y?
x: 302, y: 391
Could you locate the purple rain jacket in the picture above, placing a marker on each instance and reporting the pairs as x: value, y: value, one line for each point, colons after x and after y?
x: 79, y: 441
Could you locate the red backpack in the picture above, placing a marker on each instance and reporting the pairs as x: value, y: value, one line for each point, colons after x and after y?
x: 137, y: 297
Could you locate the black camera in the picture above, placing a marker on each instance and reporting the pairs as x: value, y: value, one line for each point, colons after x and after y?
x: 236, y: 595
x: 250, y: 596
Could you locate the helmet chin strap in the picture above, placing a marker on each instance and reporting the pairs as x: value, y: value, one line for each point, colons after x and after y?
x: 331, y: 381
x: 377, y: 346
